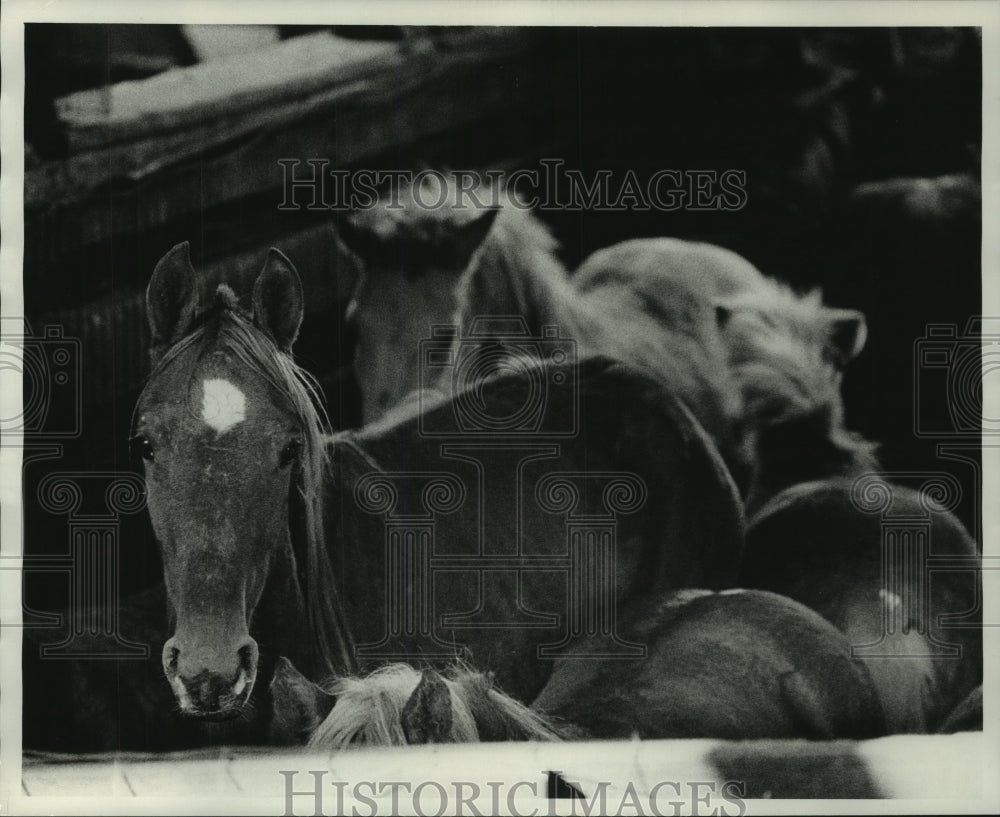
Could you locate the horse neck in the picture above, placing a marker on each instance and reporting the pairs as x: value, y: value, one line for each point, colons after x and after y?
x: 516, y: 272
x: 354, y: 541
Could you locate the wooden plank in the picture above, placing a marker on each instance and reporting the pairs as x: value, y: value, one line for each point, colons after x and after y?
x: 911, y: 767
x: 77, y: 780
x: 186, y: 96
x: 219, y: 121
x: 286, y: 72
x: 216, y: 42
x: 458, y: 94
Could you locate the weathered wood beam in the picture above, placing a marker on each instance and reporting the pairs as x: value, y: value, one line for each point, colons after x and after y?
x: 87, y: 199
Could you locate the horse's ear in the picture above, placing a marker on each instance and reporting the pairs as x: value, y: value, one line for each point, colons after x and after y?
x: 847, y: 332
x: 427, y: 715
x: 298, y: 705
x: 278, y: 301
x: 171, y: 299
x: 464, y: 240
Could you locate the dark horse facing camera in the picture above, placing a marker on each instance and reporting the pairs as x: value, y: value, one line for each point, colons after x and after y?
x: 218, y: 461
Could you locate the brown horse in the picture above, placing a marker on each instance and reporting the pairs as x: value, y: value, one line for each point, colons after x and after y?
x: 828, y: 545
x: 509, y: 524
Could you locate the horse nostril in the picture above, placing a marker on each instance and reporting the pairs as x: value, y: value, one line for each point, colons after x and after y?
x: 248, y: 657
x: 171, y: 656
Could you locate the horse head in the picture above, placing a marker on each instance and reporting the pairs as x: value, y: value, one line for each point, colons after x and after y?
x: 788, y: 354
x: 230, y: 431
x: 411, y: 259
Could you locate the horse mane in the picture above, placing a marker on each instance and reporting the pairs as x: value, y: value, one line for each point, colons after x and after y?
x: 369, y: 710
x: 777, y: 355
x: 225, y: 325
x: 516, y: 271
x: 499, y: 716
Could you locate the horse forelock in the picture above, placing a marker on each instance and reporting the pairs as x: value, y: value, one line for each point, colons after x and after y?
x: 226, y: 328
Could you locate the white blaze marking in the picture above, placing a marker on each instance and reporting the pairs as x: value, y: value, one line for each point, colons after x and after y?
x: 223, y: 406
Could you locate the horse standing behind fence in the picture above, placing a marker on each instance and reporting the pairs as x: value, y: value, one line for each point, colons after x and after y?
x: 277, y: 540
x: 758, y: 365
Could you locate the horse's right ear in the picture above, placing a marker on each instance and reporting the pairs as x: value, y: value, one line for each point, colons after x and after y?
x: 427, y: 715
x: 171, y: 299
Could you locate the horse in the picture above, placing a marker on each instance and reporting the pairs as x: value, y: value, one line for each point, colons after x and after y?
x: 733, y: 665
x: 825, y: 545
x: 398, y: 705
x: 410, y: 260
x: 758, y: 365
x: 345, y: 552
x: 784, y: 353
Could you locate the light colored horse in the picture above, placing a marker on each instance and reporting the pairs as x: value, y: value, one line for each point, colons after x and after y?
x: 778, y: 392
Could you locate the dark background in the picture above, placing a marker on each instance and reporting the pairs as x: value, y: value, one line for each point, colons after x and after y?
x: 819, y: 120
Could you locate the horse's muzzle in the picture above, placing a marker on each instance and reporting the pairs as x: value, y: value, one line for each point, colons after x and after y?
x: 207, y: 694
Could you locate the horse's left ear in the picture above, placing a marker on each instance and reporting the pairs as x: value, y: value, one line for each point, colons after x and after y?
x: 427, y: 715
x: 847, y: 332
x: 298, y: 705
x: 277, y: 300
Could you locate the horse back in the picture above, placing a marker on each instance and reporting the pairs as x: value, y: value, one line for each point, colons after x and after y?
x: 732, y: 665
x: 656, y: 301
x: 615, y: 476
x: 815, y: 544
x: 648, y: 264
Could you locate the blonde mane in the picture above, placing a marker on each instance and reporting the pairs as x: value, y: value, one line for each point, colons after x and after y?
x: 369, y: 710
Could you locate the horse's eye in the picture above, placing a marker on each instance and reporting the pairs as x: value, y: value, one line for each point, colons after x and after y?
x: 140, y: 446
x: 290, y: 452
